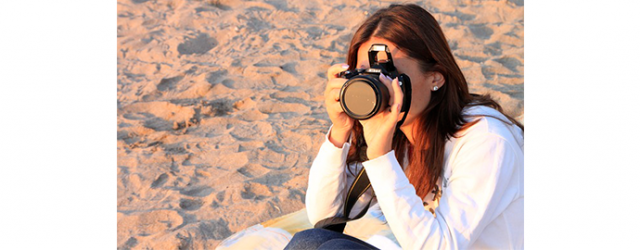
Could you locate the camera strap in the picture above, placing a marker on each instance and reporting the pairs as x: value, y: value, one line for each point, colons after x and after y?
x: 401, y: 121
x: 360, y: 185
x: 405, y: 84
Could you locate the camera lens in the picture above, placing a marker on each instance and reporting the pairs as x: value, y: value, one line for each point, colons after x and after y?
x: 360, y: 98
x: 363, y: 96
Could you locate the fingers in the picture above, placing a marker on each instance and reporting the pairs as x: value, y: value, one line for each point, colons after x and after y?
x: 335, y: 93
x: 395, y: 91
x: 397, y: 97
x: 332, y: 101
x: 388, y: 82
x: 336, y: 83
x: 336, y: 111
x: 337, y: 107
x: 332, y: 93
x: 333, y: 71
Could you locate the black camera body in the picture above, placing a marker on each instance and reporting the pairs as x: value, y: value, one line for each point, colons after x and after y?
x: 363, y: 95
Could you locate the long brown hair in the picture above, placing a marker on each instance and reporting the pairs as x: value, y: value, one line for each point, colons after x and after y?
x: 417, y: 33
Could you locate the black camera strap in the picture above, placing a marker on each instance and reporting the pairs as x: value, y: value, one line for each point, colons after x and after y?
x: 401, y: 121
x: 405, y: 84
x: 360, y: 185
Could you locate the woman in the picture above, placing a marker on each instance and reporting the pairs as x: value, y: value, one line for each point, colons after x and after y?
x: 451, y: 177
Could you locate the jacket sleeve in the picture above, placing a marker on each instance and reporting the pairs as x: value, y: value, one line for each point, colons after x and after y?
x: 476, y: 191
x: 327, y: 180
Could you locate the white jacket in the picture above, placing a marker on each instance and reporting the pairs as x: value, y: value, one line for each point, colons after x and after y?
x: 482, y: 190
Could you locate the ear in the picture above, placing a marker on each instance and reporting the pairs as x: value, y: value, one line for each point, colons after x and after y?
x: 436, y: 80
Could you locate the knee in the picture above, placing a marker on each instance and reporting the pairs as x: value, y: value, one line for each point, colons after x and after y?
x: 307, y: 239
x: 313, y: 233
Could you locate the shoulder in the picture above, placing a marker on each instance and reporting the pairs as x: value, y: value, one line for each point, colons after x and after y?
x: 489, y: 148
x: 490, y: 123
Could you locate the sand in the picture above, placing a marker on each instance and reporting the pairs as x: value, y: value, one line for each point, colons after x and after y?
x: 220, y: 104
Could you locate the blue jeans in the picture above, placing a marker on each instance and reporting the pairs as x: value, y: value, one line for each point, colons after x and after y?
x: 317, y: 238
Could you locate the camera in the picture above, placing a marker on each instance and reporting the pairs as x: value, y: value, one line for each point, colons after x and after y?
x: 363, y: 95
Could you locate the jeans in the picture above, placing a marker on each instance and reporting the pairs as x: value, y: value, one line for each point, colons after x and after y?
x: 317, y: 238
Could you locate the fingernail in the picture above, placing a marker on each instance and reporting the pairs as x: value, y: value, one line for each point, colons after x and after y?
x: 389, y: 78
x: 345, y: 66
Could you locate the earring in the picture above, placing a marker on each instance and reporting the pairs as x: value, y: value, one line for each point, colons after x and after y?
x: 435, y: 88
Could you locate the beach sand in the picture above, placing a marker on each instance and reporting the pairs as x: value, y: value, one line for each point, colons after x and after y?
x: 220, y: 104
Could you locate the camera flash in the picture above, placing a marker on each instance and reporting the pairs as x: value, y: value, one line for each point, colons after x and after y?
x: 378, y: 48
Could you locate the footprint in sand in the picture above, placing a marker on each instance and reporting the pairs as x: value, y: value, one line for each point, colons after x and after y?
x: 158, y: 124
x: 169, y: 83
x: 273, y: 179
x: 481, y: 31
x: 198, y: 45
x: 290, y: 67
x: 215, y: 229
x: 510, y: 63
x: 197, y: 191
x: 190, y: 205
x: 220, y: 195
x: 252, y: 170
x: 131, y: 242
x: 161, y: 180
x: 217, y: 76
x: 493, y: 49
x: 255, y: 191
x: 488, y: 72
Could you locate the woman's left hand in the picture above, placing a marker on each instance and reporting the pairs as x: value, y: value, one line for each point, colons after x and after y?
x: 379, y: 129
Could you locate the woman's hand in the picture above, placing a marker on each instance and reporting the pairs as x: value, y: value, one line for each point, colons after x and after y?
x: 342, y: 123
x: 379, y: 129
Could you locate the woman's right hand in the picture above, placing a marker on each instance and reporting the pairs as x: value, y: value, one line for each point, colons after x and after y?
x: 342, y: 123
